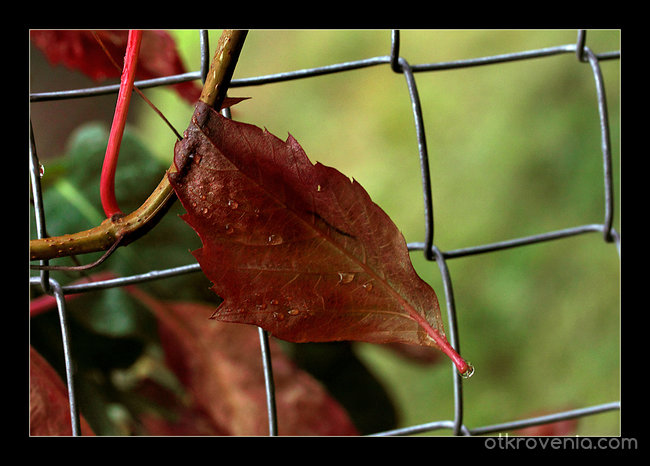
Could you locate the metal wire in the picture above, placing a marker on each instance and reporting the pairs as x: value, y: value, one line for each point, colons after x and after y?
x: 57, y: 291
x: 398, y: 65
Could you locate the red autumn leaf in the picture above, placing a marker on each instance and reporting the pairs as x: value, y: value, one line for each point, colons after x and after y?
x: 297, y: 248
x: 49, y: 409
x: 220, y: 365
x: 553, y: 429
x: 46, y: 302
x: 180, y: 416
x: 78, y: 49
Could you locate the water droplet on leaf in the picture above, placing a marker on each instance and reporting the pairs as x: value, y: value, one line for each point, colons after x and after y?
x: 293, y: 312
x: 229, y: 229
x: 275, y: 239
x: 368, y: 286
x: 233, y: 204
x: 345, y: 277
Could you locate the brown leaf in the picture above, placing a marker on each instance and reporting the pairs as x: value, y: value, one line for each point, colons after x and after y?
x: 220, y: 365
x: 297, y: 248
x: 49, y: 409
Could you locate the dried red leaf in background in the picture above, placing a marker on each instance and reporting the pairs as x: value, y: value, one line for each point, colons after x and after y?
x: 296, y: 248
x: 46, y: 302
x: 78, y: 49
x: 49, y: 408
x: 220, y: 365
x: 174, y: 415
x: 551, y: 429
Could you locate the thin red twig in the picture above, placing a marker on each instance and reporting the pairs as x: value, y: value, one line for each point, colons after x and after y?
x: 107, y: 182
x: 138, y: 91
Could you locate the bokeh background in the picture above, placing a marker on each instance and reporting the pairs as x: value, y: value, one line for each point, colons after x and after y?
x: 514, y: 150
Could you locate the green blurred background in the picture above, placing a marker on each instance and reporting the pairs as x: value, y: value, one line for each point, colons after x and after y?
x: 514, y: 150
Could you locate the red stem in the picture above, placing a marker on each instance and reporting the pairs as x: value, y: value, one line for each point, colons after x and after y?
x: 107, y: 182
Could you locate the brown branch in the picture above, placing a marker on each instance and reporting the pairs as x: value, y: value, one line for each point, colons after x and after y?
x: 130, y: 227
x: 222, y: 67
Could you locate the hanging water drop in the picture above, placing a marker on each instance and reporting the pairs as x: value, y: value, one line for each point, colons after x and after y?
x: 41, y: 170
x: 468, y: 372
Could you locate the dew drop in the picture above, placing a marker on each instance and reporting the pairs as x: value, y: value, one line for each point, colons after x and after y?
x: 261, y: 306
x: 275, y: 239
x: 278, y: 316
x: 274, y: 302
x: 368, y: 286
x: 41, y: 170
x: 293, y: 312
x: 318, y: 188
x: 229, y: 229
x: 233, y: 204
x: 205, y: 210
x: 345, y: 277
x: 469, y: 372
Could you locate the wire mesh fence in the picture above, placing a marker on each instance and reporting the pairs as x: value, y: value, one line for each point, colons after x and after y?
x: 393, y: 62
